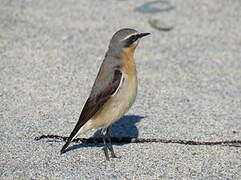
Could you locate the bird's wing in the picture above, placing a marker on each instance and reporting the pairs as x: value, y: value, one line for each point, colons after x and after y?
x: 107, y: 87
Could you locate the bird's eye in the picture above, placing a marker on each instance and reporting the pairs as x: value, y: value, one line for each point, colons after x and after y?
x: 134, y: 38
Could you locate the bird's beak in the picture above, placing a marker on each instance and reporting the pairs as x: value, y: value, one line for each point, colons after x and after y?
x: 140, y: 35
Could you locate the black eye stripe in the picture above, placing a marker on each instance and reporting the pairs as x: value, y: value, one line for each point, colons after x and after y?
x: 130, y: 40
x: 134, y: 37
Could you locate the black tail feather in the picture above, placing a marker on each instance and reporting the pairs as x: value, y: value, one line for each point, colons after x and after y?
x: 65, y: 146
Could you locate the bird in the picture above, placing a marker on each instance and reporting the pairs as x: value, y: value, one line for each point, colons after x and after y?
x: 114, y: 90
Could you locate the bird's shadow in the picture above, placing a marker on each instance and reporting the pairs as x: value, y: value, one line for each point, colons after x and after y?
x: 125, y: 127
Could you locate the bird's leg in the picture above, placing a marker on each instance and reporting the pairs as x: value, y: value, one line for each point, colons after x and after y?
x: 105, y: 148
x: 109, y: 145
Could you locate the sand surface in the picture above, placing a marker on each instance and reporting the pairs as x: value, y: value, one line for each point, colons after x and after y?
x: 189, y: 87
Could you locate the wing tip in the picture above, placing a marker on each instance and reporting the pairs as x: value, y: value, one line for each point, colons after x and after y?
x: 63, y: 150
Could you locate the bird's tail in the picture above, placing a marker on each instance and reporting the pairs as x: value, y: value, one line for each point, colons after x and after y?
x: 65, y: 146
x: 80, y: 127
x: 77, y: 130
x: 70, y: 138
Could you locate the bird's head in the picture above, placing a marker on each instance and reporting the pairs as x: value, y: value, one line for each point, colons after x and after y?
x: 125, y: 40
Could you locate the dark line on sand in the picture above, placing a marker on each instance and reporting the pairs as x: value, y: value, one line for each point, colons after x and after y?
x: 143, y: 140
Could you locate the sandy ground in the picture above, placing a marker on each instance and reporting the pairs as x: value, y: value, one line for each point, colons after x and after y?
x: 189, y: 88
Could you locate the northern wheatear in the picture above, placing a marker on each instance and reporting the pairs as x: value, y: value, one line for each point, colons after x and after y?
x: 114, y: 90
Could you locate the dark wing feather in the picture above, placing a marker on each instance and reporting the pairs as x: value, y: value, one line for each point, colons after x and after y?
x: 95, y: 102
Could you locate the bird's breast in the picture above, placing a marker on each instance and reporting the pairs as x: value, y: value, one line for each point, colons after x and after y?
x: 128, y: 90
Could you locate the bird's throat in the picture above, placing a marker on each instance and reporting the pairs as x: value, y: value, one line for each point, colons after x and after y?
x: 128, y: 63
